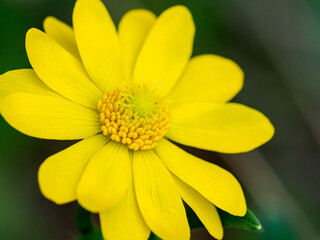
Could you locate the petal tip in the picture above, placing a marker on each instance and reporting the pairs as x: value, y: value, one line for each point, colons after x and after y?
x: 182, y: 12
x: 241, y: 209
x: 47, y: 21
x: 45, y: 188
x: 32, y: 31
x: 140, y: 11
x: 180, y: 9
x: 87, y: 202
x: 31, y: 36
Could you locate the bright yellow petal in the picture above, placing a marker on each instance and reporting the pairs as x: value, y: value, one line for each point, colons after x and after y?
x: 166, y: 50
x: 49, y: 117
x: 62, y: 33
x: 207, y: 78
x: 214, y: 183
x: 59, y: 174
x: 60, y: 70
x: 227, y: 128
x: 106, y: 179
x: 133, y: 29
x: 98, y: 43
x: 124, y: 221
x: 158, y: 197
x: 22, y: 80
x: 204, y: 209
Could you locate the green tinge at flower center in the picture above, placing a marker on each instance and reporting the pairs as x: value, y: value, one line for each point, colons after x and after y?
x: 134, y: 116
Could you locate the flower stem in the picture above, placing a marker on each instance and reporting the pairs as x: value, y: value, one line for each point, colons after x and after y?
x: 84, y: 221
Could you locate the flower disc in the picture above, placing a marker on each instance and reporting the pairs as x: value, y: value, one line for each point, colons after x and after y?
x: 134, y: 116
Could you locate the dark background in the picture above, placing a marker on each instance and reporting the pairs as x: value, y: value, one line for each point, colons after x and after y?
x: 276, y: 42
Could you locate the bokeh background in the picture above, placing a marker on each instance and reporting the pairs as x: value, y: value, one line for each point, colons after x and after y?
x: 276, y: 42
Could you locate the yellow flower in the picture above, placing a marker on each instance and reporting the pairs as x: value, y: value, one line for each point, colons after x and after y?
x: 125, y: 93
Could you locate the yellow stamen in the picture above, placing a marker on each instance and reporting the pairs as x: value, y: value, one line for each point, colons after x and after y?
x: 127, y: 122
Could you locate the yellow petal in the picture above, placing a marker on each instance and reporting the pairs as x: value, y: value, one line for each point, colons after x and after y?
x: 59, y: 174
x: 49, y: 117
x: 98, y: 43
x: 158, y: 197
x: 214, y: 183
x: 22, y: 80
x: 62, y: 33
x: 207, y: 78
x: 204, y: 209
x: 166, y: 50
x: 133, y: 29
x: 106, y: 179
x: 60, y: 70
x: 124, y: 221
x: 227, y: 128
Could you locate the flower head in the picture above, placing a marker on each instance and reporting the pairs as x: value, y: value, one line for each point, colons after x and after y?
x: 126, y: 92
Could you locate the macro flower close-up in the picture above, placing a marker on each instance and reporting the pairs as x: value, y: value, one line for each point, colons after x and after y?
x: 130, y: 94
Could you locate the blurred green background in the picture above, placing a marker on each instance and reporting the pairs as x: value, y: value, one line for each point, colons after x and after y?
x: 276, y: 42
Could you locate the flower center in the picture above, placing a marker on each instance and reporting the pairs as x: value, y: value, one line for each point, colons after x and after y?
x: 135, y: 116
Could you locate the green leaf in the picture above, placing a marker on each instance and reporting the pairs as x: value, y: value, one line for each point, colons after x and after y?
x: 153, y: 237
x: 84, y: 221
x: 92, y: 235
x: 85, y: 226
x: 248, y: 222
